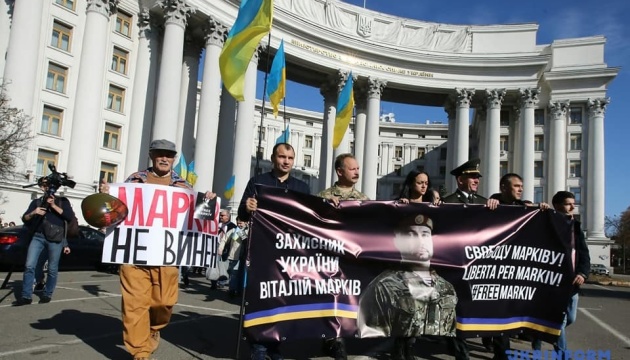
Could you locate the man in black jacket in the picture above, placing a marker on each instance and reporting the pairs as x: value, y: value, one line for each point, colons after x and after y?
x: 564, y: 203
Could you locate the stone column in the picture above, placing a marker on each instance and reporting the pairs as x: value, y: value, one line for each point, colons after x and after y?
x: 244, y: 133
x: 557, y: 178
x: 491, y: 161
x: 317, y: 140
x: 460, y: 156
x: 22, y: 56
x: 5, y: 29
x: 88, y: 105
x: 141, y: 114
x: 176, y: 13
x: 527, y: 101
x: 370, y: 159
x: 515, y: 140
x: 481, y: 145
x: 360, y: 98
x: 188, y: 97
x: 449, y: 108
x: 329, y: 90
x: 223, y: 167
x: 209, y: 104
x: 344, y: 146
x: 596, y: 170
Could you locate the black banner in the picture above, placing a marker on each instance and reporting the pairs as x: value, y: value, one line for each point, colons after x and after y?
x: 362, y: 269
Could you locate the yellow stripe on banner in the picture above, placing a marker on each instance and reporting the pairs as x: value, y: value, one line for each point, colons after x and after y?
x: 300, y: 315
x: 514, y: 325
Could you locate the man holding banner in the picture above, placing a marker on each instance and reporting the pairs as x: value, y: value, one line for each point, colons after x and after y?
x: 150, y: 292
x: 282, y: 159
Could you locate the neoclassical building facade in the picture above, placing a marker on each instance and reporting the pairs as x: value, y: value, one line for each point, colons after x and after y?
x: 101, y: 78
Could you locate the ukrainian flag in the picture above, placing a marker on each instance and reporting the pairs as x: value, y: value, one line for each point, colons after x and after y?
x: 284, y: 137
x: 252, y: 24
x: 180, y: 168
x: 277, y: 80
x: 191, y: 177
x: 229, y: 188
x: 345, y: 105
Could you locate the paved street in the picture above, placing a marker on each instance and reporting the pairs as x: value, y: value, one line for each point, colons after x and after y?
x: 83, y: 322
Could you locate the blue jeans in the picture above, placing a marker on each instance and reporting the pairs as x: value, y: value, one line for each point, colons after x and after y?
x: 37, y: 245
x: 233, y: 275
x: 569, y: 318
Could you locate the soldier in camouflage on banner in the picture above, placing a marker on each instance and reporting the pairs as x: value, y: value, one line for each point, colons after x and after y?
x: 412, y: 301
x: 348, y: 174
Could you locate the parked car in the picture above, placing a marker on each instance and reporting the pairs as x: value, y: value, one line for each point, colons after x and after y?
x: 599, y: 269
x: 86, y: 250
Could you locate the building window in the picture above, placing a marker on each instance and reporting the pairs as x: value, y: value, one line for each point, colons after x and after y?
x: 503, y: 145
x: 119, y: 60
x: 538, y: 194
x: 575, y: 168
x: 504, y: 118
x: 116, y: 98
x: 538, y: 169
x: 260, y: 152
x: 399, y: 135
x: 123, y: 24
x: 56, y: 78
x: 45, y: 157
x: 577, y: 192
x: 307, y: 161
x: 421, y: 152
x: 539, y: 143
x: 352, y: 147
x: 68, y: 4
x: 398, y: 152
x: 398, y: 170
x: 420, y: 168
x: 503, y: 168
x: 108, y: 172
x: 309, y: 123
x: 420, y: 136
x: 51, y: 121
x: 261, y: 132
x: 308, y: 141
x: 111, y: 137
x: 539, y: 117
x: 61, y: 36
x: 442, y: 170
x: 442, y: 153
x: 575, y: 114
x: 378, y: 152
x: 575, y: 142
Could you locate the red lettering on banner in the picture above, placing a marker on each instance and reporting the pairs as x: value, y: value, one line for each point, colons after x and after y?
x: 181, y: 203
x: 161, y: 213
x: 137, y: 210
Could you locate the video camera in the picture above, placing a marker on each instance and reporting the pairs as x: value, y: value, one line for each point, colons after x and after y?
x: 54, y: 180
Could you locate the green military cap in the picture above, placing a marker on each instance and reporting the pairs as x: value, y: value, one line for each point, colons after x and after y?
x: 415, y: 220
x: 470, y: 167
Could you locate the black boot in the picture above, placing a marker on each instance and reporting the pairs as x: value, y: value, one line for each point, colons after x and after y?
x: 335, y: 348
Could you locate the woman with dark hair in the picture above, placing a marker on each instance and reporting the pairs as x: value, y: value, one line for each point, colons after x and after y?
x: 417, y: 188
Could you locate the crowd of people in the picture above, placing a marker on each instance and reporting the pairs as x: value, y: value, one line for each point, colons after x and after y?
x: 150, y: 292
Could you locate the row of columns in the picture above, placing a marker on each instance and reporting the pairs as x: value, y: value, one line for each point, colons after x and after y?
x: 177, y: 74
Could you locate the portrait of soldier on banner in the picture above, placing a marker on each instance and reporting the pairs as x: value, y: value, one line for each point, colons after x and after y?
x: 206, y: 209
x: 412, y: 299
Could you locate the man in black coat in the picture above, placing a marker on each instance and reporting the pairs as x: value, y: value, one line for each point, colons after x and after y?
x: 564, y: 203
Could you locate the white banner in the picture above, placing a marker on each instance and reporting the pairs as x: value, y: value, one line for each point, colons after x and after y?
x: 161, y: 229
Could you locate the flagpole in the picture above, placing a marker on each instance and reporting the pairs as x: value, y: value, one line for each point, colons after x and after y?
x: 262, y: 108
x: 256, y: 171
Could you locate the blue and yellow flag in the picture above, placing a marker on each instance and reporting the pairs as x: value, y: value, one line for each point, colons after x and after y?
x: 345, y: 106
x: 180, y: 168
x: 229, y: 188
x: 191, y: 177
x: 252, y: 24
x: 284, y: 137
x: 277, y: 80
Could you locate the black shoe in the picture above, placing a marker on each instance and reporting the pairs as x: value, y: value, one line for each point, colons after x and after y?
x: 213, y: 285
x: 487, y: 343
x: 338, y: 351
x: 39, y: 286
x: 22, y: 301
x: 403, y: 349
x: 44, y: 299
x: 186, y: 280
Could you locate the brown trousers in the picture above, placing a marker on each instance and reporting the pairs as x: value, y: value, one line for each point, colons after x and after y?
x: 148, y: 296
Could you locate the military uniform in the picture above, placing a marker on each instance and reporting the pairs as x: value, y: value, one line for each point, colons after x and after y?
x: 459, y: 197
x: 342, y: 194
x: 388, y: 308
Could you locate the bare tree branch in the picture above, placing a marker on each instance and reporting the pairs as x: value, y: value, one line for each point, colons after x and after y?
x: 15, y: 135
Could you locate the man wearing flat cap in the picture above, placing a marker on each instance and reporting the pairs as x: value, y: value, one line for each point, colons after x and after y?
x: 411, y: 300
x: 150, y: 292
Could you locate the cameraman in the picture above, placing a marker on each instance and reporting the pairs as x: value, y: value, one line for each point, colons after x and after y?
x: 45, y: 218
